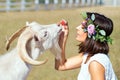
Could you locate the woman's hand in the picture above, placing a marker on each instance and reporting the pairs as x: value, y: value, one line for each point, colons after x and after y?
x: 71, y: 63
x: 62, y: 42
x: 64, y: 24
x: 64, y: 34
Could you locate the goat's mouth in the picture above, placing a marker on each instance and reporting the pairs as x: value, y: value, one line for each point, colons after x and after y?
x: 60, y: 31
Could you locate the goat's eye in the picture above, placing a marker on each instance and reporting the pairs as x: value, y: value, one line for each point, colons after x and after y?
x: 45, y: 34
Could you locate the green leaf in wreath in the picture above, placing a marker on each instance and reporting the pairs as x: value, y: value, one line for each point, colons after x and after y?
x: 89, y: 22
x: 109, y: 40
x: 93, y: 37
x: 93, y: 17
x: 89, y: 35
x: 84, y: 15
x: 102, y: 32
x: 85, y: 30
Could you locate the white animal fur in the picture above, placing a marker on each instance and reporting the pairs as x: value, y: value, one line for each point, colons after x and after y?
x: 13, y: 67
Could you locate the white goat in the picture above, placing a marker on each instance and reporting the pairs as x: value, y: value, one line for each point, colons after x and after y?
x: 33, y: 39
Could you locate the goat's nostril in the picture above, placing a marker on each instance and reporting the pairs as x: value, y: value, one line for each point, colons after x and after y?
x: 58, y: 25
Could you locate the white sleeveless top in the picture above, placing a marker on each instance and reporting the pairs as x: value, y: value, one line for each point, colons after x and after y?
x: 103, y: 60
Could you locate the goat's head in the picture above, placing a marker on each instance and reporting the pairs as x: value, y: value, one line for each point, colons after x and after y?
x: 43, y: 37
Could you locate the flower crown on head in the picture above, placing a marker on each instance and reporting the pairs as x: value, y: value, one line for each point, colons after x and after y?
x: 93, y: 30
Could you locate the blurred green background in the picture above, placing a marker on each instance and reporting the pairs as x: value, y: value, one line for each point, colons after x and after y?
x: 12, y: 21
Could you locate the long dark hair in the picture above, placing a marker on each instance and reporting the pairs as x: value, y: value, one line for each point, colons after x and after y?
x: 96, y: 46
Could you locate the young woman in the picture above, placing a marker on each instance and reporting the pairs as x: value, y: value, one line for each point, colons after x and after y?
x: 94, y: 35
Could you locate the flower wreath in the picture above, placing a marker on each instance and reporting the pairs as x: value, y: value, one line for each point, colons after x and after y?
x: 93, y: 31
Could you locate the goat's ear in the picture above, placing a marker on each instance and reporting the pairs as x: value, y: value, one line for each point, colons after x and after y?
x: 35, y: 38
x: 14, y: 36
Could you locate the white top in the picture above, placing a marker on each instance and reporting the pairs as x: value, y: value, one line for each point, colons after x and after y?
x: 103, y: 59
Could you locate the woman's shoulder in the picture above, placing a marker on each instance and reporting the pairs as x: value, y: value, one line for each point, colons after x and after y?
x: 100, y: 55
x: 101, y: 58
x: 104, y: 60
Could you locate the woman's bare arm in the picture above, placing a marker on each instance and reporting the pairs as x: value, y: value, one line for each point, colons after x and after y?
x: 70, y: 63
x: 97, y: 71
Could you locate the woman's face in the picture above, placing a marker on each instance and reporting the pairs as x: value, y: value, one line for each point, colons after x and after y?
x: 81, y: 35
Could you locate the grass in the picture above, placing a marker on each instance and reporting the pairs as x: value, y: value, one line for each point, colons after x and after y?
x: 11, y: 21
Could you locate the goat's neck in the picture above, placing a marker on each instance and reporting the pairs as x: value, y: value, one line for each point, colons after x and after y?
x: 12, y: 64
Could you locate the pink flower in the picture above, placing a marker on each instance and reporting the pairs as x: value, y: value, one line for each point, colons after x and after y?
x: 91, y: 29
